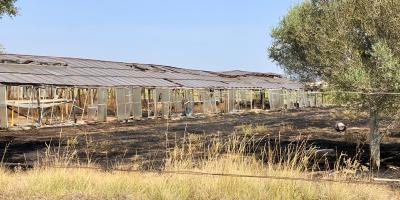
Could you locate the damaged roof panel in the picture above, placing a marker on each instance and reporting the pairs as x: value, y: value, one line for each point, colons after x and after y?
x: 201, y: 84
x: 28, y: 69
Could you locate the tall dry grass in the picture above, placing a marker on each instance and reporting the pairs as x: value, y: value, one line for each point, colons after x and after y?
x: 239, y: 154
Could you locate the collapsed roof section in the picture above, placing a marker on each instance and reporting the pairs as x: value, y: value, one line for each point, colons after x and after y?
x: 61, y: 71
x: 239, y: 73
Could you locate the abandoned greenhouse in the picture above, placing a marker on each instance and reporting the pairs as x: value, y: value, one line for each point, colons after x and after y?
x: 45, y: 91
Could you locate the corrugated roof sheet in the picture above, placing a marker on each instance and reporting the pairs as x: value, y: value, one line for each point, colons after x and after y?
x: 247, y: 73
x: 201, y: 84
x: 27, y: 69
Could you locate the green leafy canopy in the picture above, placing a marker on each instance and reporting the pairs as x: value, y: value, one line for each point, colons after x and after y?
x: 7, y: 7
x: 353, y: 45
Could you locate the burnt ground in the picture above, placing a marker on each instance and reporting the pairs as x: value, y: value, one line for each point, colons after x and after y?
x: 146, y: 139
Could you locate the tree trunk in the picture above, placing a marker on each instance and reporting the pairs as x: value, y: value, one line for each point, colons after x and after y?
x: 374, y: 138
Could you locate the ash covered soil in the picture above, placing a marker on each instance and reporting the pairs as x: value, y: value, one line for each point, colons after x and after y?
x: 147, y: 140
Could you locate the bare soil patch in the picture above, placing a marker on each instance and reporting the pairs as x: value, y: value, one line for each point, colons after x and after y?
x: 148, y: 140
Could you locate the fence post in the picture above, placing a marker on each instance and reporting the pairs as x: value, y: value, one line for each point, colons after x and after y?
x: 39, y: 109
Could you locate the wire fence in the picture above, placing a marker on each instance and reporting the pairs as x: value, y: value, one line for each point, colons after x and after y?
x: 372, y: 181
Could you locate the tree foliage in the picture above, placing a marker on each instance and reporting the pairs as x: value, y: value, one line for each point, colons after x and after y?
x: 354, y: 45
x: 7, y: 7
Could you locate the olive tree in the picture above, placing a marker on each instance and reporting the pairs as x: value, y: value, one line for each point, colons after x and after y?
x: 7, y: 7
x: 353, y: 45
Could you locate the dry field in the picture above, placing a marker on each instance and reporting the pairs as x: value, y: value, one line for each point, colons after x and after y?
x: 81, y: 162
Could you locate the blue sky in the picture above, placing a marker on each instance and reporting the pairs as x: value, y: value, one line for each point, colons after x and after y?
x: 208, y: 34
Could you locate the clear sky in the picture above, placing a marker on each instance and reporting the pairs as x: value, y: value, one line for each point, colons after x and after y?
x: 201, y: 34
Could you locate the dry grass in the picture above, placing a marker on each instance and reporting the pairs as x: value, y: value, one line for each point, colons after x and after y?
x: 237, y: 155
x: 51, y: 183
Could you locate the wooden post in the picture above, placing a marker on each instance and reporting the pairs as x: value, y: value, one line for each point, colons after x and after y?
x: 62, y: 113
x: 203, y: 94
x: 73, y: 104
x: 155, y: 101
x: 39, y: 109
x: 66, y: 104
x: 184, y: 102
x: 79, y: 98
x: 262, y: 93
x: 147, y: 97
x: 251, y: 99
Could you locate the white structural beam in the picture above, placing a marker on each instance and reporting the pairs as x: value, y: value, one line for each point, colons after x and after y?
x: 3, y: 107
